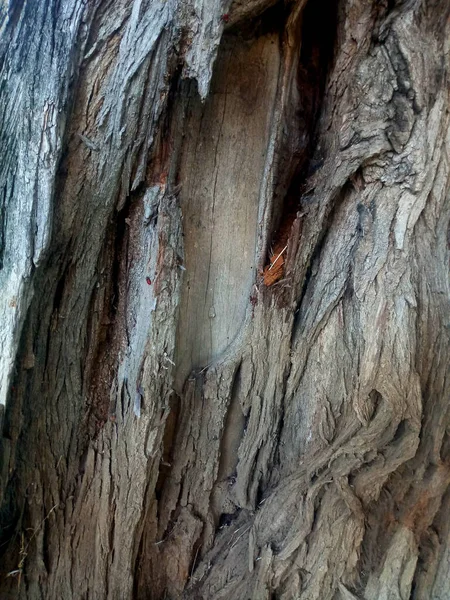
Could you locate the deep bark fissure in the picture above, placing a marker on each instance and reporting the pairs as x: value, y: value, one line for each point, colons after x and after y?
x: 298, y: 156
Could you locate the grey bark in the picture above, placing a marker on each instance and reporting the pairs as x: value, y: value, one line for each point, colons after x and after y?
x: 224, y: 318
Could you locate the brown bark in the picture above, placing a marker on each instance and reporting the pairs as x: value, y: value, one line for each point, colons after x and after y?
x: 224, y: 244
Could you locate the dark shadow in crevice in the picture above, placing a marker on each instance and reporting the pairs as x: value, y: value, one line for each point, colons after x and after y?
x: 299, y: 156
x: 272, y: 20
x: 170, y: 431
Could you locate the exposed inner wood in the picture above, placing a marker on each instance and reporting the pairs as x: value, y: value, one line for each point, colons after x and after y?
x: 223, y: 161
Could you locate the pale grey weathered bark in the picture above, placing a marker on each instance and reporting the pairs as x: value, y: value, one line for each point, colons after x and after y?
x: 173, y: 426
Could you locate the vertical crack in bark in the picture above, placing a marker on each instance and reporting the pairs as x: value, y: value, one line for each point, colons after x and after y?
x: 312, y: 31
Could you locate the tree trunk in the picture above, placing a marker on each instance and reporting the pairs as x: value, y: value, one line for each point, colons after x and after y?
x: 225, y: 299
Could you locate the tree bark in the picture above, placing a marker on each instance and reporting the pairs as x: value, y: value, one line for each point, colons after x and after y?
x: 224, y: 318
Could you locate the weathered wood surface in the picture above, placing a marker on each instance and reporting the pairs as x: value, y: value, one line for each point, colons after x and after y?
x: 173, y: 426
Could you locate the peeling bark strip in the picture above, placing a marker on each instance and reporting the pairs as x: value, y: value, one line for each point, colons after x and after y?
x: 224, y: 318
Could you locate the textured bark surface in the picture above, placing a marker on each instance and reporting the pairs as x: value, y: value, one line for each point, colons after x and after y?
x: 225, y: 299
